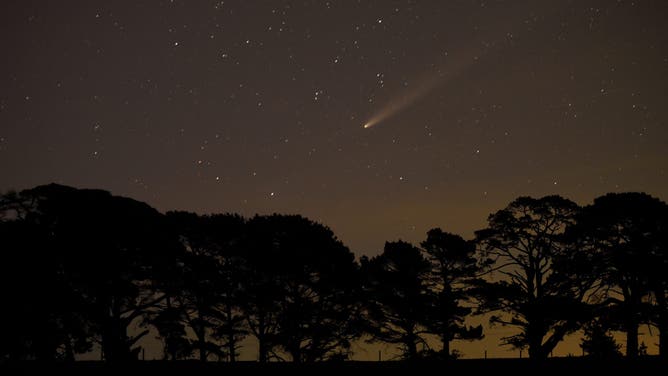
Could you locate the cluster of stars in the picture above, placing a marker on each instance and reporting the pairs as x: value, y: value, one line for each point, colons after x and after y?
x: 261, y: 106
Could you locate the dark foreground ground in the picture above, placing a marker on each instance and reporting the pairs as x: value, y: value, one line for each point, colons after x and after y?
x: 482, y: 367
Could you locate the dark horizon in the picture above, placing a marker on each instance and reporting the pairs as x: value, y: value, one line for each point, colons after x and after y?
x: 82, y: 240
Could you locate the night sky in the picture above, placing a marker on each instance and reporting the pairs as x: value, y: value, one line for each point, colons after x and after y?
x: 261, y: 106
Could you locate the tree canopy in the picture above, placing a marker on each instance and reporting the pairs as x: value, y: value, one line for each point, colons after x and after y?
x: 84, y: 270
x: 524, y: 240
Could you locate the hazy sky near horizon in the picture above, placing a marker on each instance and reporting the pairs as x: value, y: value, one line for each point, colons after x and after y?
x: 260, y: 106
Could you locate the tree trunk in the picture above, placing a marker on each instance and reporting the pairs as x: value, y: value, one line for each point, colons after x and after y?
x: 262, y: 350
x: 535, y: 349
x: 535, y: 339
x: 202, y: 343
x: 171, y: 350
x: 115, y: 343
x: 231, y: 341
x: 109, y: 341
x: 663, y: 335
x: 69, y: 351
x: 232, y: 347
x: 662, y: 323
x: 411, y: 347
x: 632, y: 339
x: 629, y: 309
x: 445, y: 338
x: 262, y: 345
x: 296, y: 354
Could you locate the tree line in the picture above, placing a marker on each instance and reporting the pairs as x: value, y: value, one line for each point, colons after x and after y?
x: 83, y: 268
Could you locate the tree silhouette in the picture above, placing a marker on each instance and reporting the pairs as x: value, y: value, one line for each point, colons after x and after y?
x: 627, y: 233
x: 300, y: 296
x: 657, y: 215
x: 41, y: 317
x: 598, y: 343
x: 398, y: 299
x: 168, y: 321
x: 206, y: 301
x: 108, y: 250
x: 523, y: 240
x: 262, y: 288
x: 82, y: 267
x: 227, y: 234
x: 453, y: 269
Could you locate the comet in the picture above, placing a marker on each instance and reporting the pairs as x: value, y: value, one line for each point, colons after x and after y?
x: 456, y: 63
x: 423, y: 87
